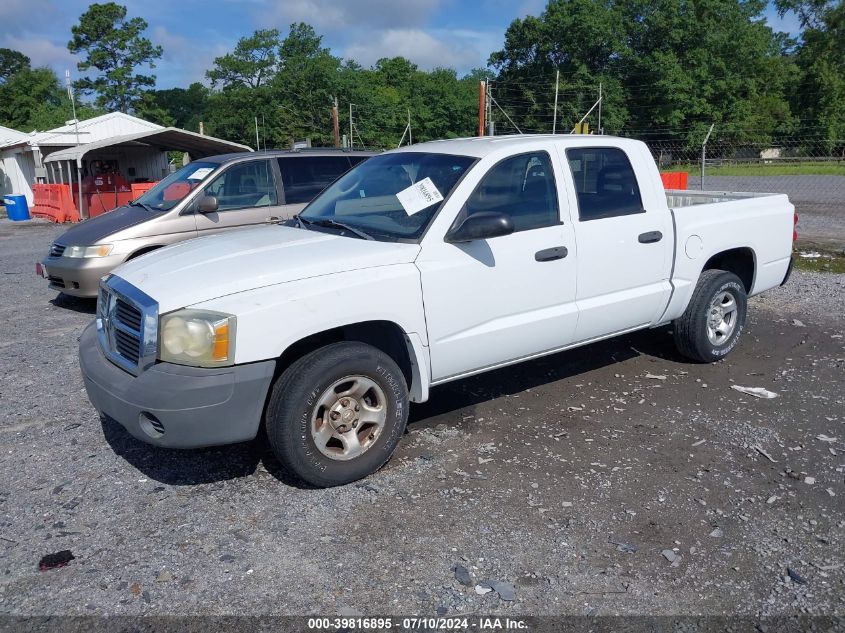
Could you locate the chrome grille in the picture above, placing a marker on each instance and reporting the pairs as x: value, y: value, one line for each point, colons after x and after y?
x: 127, y: 325
x: 129, y: 315
x: 127, y: 345
x: 57, y: 250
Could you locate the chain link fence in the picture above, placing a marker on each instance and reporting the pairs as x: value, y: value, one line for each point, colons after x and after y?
x: 810, y: 171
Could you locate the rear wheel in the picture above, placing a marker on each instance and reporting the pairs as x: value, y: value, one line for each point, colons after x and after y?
x: 714, y: 319
x: 337, y: 414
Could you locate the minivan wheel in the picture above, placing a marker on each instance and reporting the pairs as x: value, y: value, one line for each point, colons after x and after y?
x: 337, y: 414
x: 714, y: 319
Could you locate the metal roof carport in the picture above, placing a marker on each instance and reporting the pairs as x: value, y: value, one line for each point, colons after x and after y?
x: 164, y: 139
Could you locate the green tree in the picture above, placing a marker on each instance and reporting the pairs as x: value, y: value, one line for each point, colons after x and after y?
x: 115, y: 47
x: 251, y: 64
x: 584, y: 40
x: 820, y: 94
x: 34, y: 99
x: 691, y: 63
x: 11, y: 62
x: 180, y: 107
x: 301, y: 92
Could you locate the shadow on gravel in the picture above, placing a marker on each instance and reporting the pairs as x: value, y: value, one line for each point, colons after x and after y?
x: 514, y: 379
x: 211, y: 465
x: 195, y: 466
x: 77, y: 304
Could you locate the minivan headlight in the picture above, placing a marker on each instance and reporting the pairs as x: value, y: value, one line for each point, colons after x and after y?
x: 101, y: 250
x: 200, y: 338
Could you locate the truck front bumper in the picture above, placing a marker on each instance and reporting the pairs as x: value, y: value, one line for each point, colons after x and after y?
x: 78, y: 276
x: 176, y: 406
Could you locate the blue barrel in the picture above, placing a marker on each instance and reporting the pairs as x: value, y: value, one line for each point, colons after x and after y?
x: 16, y: 208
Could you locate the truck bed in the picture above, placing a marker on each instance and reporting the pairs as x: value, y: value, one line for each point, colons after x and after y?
x: 676, y: 198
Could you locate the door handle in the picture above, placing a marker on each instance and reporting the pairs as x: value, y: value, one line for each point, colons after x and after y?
x: 650, y: 237
x: 273, y: 218
x: 551, y: 254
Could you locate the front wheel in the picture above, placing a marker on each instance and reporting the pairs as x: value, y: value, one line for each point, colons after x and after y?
x: 714, y: 319
x: 337, y: 414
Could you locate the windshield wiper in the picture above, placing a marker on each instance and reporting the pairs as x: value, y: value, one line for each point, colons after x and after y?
x: 340, y: 225
x: 135, y: 203
x: 300, y: 222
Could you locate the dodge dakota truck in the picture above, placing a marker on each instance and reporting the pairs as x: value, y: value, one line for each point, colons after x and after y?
x: 420, y: 266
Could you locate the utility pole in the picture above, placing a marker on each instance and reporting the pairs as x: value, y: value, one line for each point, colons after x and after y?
x: 82, y: 214
x: 599, y: 126
x: 335, y: 124
x: 351, y: 140
x: 554, y: 119
x: 491, y: 127
x: 257, y: 143
x: 410, y: 137
x: 482, y: 106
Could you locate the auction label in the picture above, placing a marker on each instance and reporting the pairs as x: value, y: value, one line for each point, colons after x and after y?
x: 419, y: 196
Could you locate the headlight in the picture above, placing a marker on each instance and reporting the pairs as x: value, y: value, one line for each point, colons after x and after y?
x: 100, y: 250
x: 197, y: 337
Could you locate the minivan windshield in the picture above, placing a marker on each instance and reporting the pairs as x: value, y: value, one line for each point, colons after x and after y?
x: 391, y: 196
x: 172, y: 190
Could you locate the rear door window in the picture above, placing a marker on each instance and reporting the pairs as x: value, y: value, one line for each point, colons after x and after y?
x: 305, y: 176
x: 605, y: 183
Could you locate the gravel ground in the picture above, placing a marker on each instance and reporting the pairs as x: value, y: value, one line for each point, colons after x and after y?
x: 614, y: 479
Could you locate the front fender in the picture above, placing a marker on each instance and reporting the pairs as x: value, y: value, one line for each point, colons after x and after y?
x: 271, y: 319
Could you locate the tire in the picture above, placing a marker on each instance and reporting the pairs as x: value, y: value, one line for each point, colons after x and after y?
x: 696, y: 336
x: 331, y: 399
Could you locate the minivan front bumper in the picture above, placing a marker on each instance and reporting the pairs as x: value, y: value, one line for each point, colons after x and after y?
x: 79, y: 276
x: 176, y: 406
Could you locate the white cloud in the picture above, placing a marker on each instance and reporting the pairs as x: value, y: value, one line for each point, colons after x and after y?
x: 41, y: 51
x: 343, y: 14
x: 460, y: 49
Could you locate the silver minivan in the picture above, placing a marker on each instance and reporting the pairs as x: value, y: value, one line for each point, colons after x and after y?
x: 206, y: 196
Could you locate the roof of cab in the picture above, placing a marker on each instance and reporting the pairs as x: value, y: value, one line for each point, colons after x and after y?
x: 290, y: 153
x: 480, y: 146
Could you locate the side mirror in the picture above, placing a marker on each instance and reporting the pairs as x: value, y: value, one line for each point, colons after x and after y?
x: 481, y: 226
x: 207, y: 204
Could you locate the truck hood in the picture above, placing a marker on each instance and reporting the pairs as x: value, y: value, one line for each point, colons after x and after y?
x: 97, y: 230
x: 218, y: 265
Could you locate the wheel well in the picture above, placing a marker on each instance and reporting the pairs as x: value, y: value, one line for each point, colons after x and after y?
x: 142, y: 251
x: 383, y: 335
x: 739, y: 261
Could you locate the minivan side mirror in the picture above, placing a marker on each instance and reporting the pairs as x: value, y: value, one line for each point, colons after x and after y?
x: 207, y: 204
x: 481, y: 226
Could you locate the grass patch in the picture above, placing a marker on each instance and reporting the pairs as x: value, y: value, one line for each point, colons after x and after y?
x: 820, y: 168
x: 825, y: 263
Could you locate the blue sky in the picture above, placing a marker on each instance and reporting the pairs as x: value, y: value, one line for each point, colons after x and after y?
x: 456, y: 33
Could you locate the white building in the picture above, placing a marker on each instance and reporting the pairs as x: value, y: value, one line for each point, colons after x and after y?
x: 137, y: 147
x: 15, y: 170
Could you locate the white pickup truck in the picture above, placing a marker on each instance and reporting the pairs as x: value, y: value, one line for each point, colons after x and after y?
x: 417, y: 267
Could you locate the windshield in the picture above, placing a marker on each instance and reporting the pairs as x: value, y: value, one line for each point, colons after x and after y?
x: 393, y: 196
x: 172, y: 190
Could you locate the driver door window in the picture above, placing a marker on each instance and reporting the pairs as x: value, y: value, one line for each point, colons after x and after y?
x: 521, y: 187
x: 244, y: 185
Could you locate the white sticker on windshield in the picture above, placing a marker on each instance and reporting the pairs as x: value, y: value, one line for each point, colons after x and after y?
x: 419, y: 196
x: 201, y: 173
